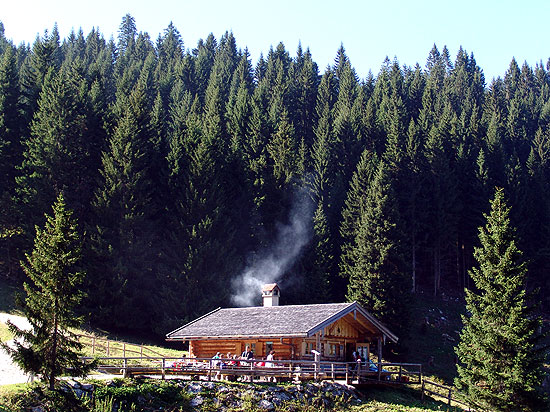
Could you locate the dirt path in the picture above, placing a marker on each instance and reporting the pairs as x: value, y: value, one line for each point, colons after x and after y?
x: 10, y: 372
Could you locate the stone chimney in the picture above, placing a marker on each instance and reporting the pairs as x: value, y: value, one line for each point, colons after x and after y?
x: 270, y: 294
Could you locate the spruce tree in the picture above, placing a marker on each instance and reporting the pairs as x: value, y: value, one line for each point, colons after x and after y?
x: 51, y: 300
x: 375, y: 263
x: 500, y: 354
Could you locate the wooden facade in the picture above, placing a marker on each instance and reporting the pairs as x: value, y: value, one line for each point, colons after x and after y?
x: 293, y: 332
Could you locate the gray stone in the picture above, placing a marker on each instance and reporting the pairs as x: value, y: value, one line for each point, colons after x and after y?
x: 194, y: 388
x: 266, y: 405
x: 209, y: 385
x: 280, y: 398
x: 197, y: 401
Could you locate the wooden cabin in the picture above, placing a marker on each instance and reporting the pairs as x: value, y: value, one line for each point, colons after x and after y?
x: 335, y: 330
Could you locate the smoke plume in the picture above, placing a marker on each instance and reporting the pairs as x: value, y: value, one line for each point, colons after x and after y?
x: 271, y: 264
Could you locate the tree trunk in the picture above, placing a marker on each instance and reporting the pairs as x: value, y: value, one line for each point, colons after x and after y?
x: 53, y: 356
x: 413, y: 290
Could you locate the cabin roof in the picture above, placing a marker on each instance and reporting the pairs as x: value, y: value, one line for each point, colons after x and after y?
x: 274, y: 322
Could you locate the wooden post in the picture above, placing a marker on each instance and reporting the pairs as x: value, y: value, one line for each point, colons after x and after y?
x: 450, y: 395
x: 107, y: 347
x: 124, y: 350
x: 125, y: 368
x: 141, y: 352
x: 332, y: 370
x: 209, y: 370
x: 163, y: 370
x: 379, y: 358
x: 422, y: 390
x: 400, y: 371
x: 93, y: 345
x: 347, y: 375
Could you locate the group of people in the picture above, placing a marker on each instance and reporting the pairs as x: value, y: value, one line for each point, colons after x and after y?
x: 232, y: 361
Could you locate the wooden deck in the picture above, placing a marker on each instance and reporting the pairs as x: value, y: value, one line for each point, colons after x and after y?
x: 258, y: 370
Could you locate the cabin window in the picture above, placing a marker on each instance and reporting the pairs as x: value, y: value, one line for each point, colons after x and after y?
x: 252, y: 347
x: 332, y: 350
x: 308, y: 347
x: 268, y: 347
x: 363, y: 350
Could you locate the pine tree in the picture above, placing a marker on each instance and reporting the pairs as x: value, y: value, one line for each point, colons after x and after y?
x: 52, y: 299
x: 58, y: 158
x: 375, y: 263
x: 124, y: 240
x: 10, y: 145
x: 500, y: 354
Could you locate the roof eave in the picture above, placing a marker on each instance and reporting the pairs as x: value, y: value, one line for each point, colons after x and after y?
x: 168, y: 335
x: 232, y: 337
x: 354, y: 306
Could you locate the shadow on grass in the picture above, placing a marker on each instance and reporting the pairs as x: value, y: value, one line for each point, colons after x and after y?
x: 405, y: 396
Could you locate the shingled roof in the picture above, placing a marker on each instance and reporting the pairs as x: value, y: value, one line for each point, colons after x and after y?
x: 274, y: 321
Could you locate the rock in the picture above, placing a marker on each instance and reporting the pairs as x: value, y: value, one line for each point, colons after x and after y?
x: 194, y: 388
x: 37, y: 409
x: 197, y: 401
x: 279, y: 398
x: 223, y: 389
x: 209, y: 385
x: 266, y: 405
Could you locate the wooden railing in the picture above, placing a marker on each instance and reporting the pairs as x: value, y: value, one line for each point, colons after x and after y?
x: 445, y: 392
x: 352, y: 372
x: 111, y: 347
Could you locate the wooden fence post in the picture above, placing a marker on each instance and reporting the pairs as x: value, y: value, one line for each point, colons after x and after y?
x: 332, y: 370
x: 124, y: 350
x: 163, y: 369
x: 108, y: 348
x: 422, y: 390
x: 450, y: 396
x: 400, y: 372
x: 93, y: 345
x: 125, y: 368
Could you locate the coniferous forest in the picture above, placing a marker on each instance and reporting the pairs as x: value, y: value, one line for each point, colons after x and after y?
x: 187, y: 164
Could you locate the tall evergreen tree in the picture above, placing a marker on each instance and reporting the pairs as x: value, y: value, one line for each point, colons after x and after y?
x: 375, y: 263
x: 58, y: 156
x: 500, y: 352
x: 124, y: 241
x: 52, y: 298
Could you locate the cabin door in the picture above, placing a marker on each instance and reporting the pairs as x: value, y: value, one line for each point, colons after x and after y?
x: 350, y: 348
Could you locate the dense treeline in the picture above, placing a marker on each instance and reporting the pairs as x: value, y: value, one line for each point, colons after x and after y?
x: 181, y: 165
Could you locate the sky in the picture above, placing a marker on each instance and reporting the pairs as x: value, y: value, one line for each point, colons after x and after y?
x: 495, y: 31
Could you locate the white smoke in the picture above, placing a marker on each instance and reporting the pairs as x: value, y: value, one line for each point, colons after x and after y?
x: 271, y: 264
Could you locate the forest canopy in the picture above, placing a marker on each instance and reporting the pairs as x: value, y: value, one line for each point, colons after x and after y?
x: 196, y: 173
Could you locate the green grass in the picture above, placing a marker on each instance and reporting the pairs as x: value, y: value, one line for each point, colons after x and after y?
x: 5, y: 334
x: 406, y: 399
x: 11, y: 390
